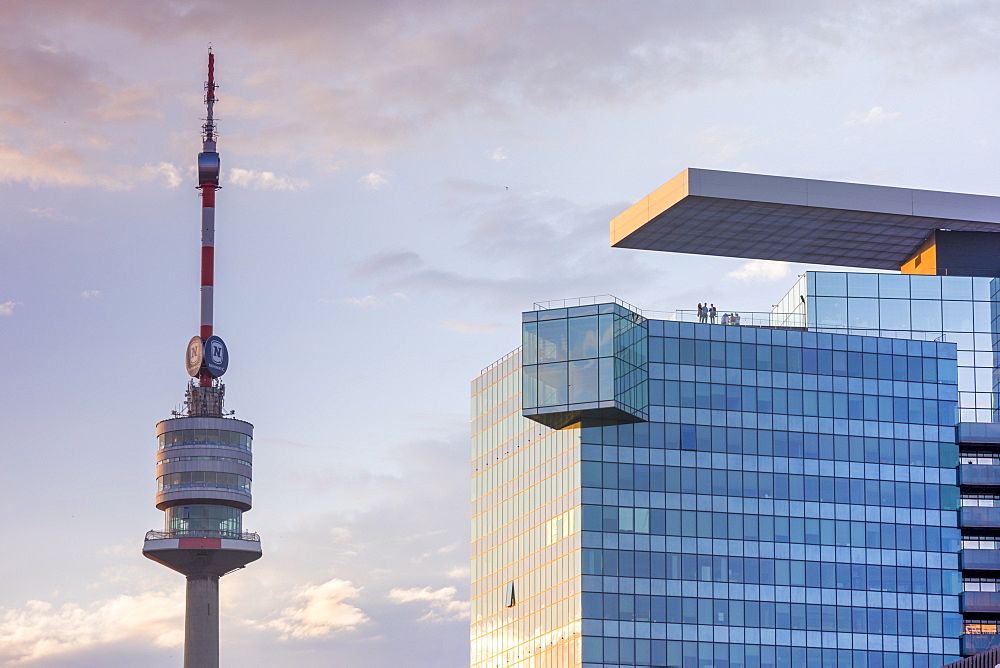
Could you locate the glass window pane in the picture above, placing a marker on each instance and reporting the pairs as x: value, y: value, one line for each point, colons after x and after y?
x: 981, y: 315
x: 830, y: 312
x: 583, y: 337
x: 956, y: 287
x: 862, y: 285
x: 894, y: 286
x: 981, y: 289
x: 607, y: 378
x: 529, y: 343
x: 607, y: 335
x: 895, y: 313
x: 583, y: 382
x: 957, y: 316
x: 926, y: 314
x: 831, y: 284
x: 552, y: 341
x: 925, y: 287
x: 552, y: 384
x: 529, y: 377
x: 863, y: 313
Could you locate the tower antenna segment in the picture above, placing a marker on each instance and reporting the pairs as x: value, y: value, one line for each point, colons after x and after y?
x: 208, y: 183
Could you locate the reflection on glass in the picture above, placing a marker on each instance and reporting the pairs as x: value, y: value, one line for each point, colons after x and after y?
x: 862, y: 285
x: 607, y: 335
x: 926, y: 314
x: 831, y: 284
x: 529, y: 386
x: 981, y: 316
x: 529, y: 343
x: 896, y: 286
x: 895, y: 313
x: 956, y: 287
x: 583, y: 337
x: 863, y: 313
x: 830, y: 311
x: 957, y: 316
x: 552, y: 341
x: 552, y: 384
x: 583, y: 381
x: 607, y: 378
x: 925, y: 287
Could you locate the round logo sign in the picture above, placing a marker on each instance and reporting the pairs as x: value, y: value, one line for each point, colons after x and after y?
x: 195, y: 356
x: 216, y: 356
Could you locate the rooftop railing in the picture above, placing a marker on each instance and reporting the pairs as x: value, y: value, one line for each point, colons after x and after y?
x: 748, y: 319
x: 585, y: 301
x: 235, y: 535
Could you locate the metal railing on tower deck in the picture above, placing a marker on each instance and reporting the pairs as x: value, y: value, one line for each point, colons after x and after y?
x: 235, y: 535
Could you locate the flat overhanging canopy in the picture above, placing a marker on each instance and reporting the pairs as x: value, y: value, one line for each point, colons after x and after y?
x: 731, y: 214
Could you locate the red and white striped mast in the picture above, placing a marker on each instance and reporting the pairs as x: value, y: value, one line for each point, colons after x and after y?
x: 208, y: 183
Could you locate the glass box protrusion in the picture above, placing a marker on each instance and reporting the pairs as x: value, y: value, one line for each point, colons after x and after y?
x: 584, y: 362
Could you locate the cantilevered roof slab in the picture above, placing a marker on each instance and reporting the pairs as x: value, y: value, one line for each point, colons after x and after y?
x: 731, y: 214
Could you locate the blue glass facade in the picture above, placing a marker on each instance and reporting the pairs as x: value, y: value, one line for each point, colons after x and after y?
x: 781, y: 494
x: 791, y: 501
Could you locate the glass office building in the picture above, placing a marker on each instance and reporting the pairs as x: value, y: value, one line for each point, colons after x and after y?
x: 657, y: 489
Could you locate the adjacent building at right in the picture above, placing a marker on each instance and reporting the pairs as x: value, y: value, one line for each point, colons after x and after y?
x: 817, y: 485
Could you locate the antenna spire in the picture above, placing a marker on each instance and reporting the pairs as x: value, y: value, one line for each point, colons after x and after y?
x: 209, y: 127
x: 208, y: 183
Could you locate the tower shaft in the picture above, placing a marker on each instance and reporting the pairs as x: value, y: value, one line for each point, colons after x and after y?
x: 201, y: 622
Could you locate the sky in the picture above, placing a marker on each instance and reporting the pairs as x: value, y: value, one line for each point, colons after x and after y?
x: 400, y: 180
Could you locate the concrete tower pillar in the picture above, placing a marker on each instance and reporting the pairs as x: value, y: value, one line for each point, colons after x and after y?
x: 201, y: 622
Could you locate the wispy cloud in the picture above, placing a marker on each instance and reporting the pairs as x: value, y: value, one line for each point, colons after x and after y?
x: 498, y: 154
x: 365, y: 303
x: 463, y: 327
x: 871, y: 117
x: 375, y: 180
x: 90, y: 294
x: 320, y: 611
x: 763, y: 271
x: 7, y: 308
x: 381, y: 263
x: 441, y: 604
x: 373, y: 302
x: 248, y: 178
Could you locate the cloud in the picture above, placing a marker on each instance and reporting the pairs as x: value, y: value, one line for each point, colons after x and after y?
x: 247, y: 178
x: 48, y: 213
x: 322, y: 610
x: 471, y: 327
x: 128, y: 104
x: 375, y: 180
x: 366, y: 302
x: 52, y: 165
x: 441, y: 603
x: 7, y: 308
x: 874, y: 116
x: 381, y: 263
x: 40, y: 629
x: 168, y: 172
x: 90, y: 294
x: 762, y: 271
x: 498, y: 154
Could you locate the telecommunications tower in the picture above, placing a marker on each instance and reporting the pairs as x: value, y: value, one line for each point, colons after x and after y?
x: 203, y: 461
